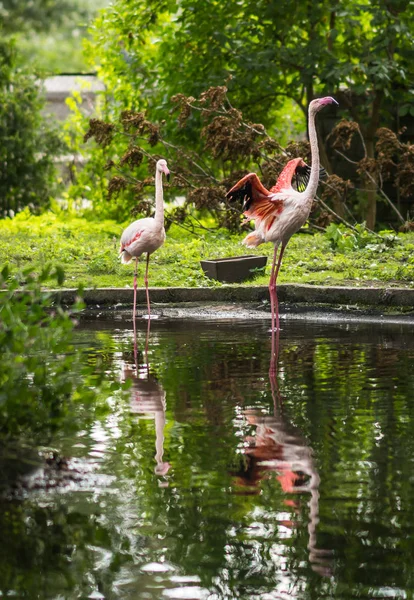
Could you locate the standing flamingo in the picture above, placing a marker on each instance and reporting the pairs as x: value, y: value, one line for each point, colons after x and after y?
x: 146, y: 235
x: 280, y: 212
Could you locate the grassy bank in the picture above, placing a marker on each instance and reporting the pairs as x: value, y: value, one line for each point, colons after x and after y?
x: 88, y: 253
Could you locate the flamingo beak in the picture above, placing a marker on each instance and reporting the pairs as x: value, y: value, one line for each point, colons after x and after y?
x: 166, y: 173
x: 331, y: 100
x: 327, y: 100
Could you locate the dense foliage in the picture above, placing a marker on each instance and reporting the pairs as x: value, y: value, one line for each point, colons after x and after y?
x: 271, y: 50
x: 361, y: 52
x: 28, y: 143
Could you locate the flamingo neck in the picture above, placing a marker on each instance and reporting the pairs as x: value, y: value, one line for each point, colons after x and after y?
x: 159, y: 198
x: 314, y: 174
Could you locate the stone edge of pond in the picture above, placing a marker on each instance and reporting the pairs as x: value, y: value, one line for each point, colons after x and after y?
x: 331, y: 296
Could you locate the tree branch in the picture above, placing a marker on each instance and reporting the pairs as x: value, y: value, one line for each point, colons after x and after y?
x: 379, y: 189
x: 330, y: 210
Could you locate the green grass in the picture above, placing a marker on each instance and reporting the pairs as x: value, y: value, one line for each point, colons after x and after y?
x: 88, y: 252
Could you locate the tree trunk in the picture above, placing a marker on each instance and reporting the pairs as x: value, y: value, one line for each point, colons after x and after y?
x: 368, y: 133
x: 371, y: 187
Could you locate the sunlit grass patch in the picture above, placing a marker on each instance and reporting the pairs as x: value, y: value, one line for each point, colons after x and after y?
x: 88, y: 252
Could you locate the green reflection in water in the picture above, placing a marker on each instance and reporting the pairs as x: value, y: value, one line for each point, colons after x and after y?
x: 205, y: 481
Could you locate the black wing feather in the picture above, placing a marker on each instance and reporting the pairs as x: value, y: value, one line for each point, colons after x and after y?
x: 302, y: 175
x: 243, y: 194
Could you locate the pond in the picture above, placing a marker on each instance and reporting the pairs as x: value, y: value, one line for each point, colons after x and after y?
x: 204, y: 479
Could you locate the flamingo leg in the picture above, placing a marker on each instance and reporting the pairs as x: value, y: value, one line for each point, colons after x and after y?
x: 279, y: 262
x: 149, y: 310
x: 274, y: 303
x: 135, y: 307
x: 146, y: 286
x: 272, y: 287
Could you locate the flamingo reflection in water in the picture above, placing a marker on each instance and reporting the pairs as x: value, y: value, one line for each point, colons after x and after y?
x: 279, y: 447
x: 274, y: 357
x: 148, y: 398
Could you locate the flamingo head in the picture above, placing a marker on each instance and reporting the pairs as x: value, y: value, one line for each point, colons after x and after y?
x: 162, y: 168
x: 317, y: 104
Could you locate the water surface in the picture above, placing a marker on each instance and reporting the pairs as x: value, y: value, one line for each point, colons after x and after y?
x: 207, y: 480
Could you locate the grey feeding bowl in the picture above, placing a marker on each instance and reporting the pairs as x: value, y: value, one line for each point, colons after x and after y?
x: 233, y: 269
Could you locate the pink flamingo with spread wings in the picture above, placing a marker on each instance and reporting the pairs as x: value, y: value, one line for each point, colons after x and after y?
x: 280, y: 212
x: 146, y: 235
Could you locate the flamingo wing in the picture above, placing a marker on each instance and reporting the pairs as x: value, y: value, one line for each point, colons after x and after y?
x: 135, y: 236
x: 258, y: 203
x: 125, y: 242
x: 126, y: 250
x: 249, y: 189
x: 284, y: 181
x: 298, y: 171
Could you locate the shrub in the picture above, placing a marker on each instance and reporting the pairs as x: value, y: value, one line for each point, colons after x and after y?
x: 40, y: 375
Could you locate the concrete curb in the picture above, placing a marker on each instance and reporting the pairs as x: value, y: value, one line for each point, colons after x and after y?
x: 334, y: 296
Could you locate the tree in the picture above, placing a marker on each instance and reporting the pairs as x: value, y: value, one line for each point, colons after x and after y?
x: 361, y: 52
x: 49, y: 33
x: 27, y: 171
